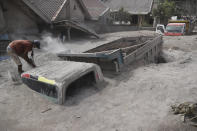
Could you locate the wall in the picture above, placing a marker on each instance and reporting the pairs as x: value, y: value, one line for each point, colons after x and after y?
x: 105, y: 18
x: 105, y: 28
x: 18, y: 23
x: 65, y: 13
x: 71, y: 10
x: 76, y: 12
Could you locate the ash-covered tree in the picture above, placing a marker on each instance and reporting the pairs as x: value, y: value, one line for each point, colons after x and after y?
x: 165, y: 10
x: 121, y: 15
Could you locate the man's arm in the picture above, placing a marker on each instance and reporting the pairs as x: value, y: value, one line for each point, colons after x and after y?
x: 27, y: 48
x: 29, y: 61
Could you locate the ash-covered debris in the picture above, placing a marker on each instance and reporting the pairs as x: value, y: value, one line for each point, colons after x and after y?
x: 188, y: 110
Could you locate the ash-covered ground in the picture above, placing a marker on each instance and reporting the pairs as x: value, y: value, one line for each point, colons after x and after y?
x: 138, y: 99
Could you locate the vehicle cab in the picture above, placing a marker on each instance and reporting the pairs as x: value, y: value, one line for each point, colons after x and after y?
x: 160, y: 29
x: 54, y: 79
x: 175, y: 29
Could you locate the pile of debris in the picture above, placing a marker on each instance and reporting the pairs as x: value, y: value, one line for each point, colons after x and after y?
x: 188, y: 110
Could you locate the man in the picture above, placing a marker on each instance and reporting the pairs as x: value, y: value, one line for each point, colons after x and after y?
x: 21, y: 48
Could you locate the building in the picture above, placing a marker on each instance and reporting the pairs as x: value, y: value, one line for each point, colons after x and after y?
x: 34, y: 16
x: 139, y: 9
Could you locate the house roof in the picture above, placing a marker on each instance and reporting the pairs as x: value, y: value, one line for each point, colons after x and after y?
x: 46, y: 9
x: 76, y: 25
x: 132, y: 6
x: 95, y: 8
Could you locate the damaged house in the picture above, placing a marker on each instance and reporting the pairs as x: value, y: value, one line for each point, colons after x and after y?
x: 23, y: 17
x: 140, y: 10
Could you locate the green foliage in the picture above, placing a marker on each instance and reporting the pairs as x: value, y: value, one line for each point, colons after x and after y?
x: 165, y: 10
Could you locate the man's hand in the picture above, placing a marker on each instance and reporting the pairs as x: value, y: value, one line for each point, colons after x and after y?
x: 31, y: 62
x: 28, y: 60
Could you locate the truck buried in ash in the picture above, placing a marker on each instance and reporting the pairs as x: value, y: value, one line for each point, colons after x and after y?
x: 176, y: 28
x: 115, y: 55
x: 55, y: 78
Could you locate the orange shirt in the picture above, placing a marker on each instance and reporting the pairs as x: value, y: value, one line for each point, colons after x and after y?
x: 21, y: 46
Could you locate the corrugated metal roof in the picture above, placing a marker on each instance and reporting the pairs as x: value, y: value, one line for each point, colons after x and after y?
x: 95, y: 8
x: 46, y: 9
x: 132, y: 6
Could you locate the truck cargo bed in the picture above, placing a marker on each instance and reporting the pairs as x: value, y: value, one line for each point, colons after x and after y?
x: 114, y: 55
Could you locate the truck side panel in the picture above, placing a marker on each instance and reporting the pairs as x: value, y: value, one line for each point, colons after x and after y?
x: 123, y: 51
x: 149, y: 51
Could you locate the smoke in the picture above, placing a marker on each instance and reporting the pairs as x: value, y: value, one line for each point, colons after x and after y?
x: 52, y: 44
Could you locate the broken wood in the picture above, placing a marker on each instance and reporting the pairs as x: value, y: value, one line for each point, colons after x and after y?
x: 46, y: 110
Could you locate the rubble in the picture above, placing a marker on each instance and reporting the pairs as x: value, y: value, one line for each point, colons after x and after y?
x: 188, y: 110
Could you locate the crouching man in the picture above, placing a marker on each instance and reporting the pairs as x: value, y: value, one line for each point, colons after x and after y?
x: 20, y: 48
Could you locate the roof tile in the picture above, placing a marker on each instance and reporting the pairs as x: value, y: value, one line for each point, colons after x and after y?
x: 47, y: 9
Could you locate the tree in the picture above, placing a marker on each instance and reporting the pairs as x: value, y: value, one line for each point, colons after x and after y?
x: 165, y: 10
x: 121, y: 15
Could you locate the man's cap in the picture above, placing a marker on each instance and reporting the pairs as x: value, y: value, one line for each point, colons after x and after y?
x: 36, y: 43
